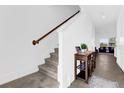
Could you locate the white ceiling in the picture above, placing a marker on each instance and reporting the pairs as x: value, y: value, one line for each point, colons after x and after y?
x: 102, y: 14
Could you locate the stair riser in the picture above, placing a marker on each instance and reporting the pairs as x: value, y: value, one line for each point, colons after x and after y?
x: 54, y: 56
x: 52, y: 63
x: 56, y: 50
x: 48, y: 68
x: 54, y: 76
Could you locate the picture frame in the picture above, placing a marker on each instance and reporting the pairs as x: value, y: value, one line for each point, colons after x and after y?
x: 78, y: 49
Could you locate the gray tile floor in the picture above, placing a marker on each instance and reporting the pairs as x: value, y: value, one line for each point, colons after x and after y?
x: 107, y: 68
x: 35, y: 80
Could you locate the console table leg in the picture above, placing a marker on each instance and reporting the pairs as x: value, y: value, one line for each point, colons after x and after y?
x: 75, y: 69
x: 86, y: 71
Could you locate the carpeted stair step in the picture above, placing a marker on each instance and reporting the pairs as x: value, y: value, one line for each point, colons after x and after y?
x: 56, y: 50
x: 54, y: 55
x: 53, y: 62
x: 51, y: 71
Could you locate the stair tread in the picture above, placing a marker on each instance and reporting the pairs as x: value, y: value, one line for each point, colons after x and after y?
x: 51, y: 65
x: 48, y: 72
x: 48, y: 68
x: 54, y: 76
x: 51, y: 60
x: 53, y: 53
x: 56, y: 48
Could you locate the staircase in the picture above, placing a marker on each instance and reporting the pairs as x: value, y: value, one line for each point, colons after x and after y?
x: 51, y: 65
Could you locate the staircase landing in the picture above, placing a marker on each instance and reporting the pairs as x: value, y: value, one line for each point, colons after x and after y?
x: 46, y: 77
x: 35, y: 80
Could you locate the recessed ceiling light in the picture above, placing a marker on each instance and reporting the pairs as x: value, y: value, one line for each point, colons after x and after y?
x: 103, y: 16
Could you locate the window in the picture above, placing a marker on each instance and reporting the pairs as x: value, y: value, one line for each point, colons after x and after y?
x: 105, y: 41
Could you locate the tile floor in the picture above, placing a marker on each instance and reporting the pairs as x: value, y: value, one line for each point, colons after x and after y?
x: 35, y: 80
x: 106, y: 67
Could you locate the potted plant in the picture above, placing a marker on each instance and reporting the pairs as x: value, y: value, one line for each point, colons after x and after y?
x: 84, y: 47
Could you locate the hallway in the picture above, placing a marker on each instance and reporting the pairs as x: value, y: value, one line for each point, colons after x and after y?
x: 106, y: 68
x: 97, y: 28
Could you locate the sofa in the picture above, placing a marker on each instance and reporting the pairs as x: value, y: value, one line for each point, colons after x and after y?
x: 106, y: 49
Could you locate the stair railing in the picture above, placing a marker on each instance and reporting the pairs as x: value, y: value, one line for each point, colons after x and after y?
x: 34, y: 42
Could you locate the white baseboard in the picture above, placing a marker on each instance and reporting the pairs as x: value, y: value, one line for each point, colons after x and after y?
x: 17, y: 74
x: 120, y: 66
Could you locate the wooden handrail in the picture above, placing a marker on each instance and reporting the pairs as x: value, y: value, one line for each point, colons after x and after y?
x: 34, y: 42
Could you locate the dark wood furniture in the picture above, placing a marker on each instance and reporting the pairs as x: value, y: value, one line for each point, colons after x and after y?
x: 86, y: 65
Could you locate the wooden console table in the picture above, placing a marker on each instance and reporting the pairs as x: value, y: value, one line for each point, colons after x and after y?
x: 88, y: 60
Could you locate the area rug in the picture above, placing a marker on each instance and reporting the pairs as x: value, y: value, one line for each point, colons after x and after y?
x: 98, y: 82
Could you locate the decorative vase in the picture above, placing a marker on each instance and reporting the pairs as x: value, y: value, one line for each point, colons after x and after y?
x: 83, y: 50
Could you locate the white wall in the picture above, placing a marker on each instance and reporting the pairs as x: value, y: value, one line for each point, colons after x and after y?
x: 78, y: 30
x: 120, y: 40
x: 105, y: 32
x: 19, y: 25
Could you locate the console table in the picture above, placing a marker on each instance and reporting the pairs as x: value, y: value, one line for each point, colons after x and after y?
x: 86, y: 65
